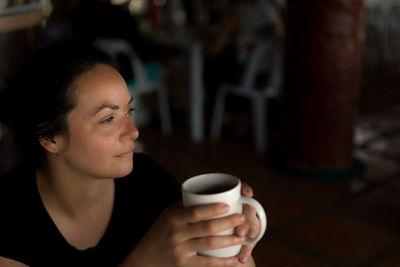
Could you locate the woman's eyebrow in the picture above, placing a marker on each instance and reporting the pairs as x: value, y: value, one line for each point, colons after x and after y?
x: 100, y: 108
x: 110, y: 106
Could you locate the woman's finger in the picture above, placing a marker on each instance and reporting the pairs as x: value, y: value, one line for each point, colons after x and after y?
x: 204, y: 261
x: 199, y: 213
x: 212, y: 227
x: 214, y: 242
x: 242, y: 230
x: 254, y: 228
x: 252, y: 220
x: 247, y: 191
x: 245, y: 253
x: 251, y: 226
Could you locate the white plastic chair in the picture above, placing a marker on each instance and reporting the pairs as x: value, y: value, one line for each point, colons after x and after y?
x: 142, y: 83
x: 268, y: 55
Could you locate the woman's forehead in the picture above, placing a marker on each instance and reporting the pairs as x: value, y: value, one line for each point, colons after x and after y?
x: 102, y: 85
x: 99, y: 80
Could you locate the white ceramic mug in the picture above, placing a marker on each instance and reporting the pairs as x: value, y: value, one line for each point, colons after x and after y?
x: 222, y: 188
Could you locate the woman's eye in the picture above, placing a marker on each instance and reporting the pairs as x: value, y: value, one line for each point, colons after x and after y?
x: 107, y: 120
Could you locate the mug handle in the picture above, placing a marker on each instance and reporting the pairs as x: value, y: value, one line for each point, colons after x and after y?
x: 261, y: 216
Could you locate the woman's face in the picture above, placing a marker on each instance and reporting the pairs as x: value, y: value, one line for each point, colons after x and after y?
x: 101, y: 134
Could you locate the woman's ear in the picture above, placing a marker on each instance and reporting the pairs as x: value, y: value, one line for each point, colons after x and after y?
x: 53, y: 145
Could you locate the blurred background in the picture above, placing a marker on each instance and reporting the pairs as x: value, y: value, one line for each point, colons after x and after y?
x: 298, y: 98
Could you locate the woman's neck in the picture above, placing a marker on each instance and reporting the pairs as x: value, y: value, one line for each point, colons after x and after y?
x: 73, y: 194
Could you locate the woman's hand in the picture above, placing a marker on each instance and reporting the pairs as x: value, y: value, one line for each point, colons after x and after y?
x: 179, y: 233
x: 250, y: 227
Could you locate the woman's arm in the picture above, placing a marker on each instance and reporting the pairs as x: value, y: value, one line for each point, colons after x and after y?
x: 5, y: 262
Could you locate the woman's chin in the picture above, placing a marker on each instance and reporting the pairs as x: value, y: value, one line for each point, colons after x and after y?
x: 124, y: 170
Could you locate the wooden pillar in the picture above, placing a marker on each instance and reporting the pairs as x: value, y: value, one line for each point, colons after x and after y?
x: 322, y: 80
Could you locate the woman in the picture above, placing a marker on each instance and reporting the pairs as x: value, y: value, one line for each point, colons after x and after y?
x: 80, y: 197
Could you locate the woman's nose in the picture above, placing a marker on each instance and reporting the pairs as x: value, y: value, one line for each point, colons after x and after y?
x: 131, y: 130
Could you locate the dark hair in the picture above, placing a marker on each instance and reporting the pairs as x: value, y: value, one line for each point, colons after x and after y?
x: 39, y: 98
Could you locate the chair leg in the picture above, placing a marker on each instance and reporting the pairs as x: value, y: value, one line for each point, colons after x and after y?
x: 196, y: 92
x: 165, y: 116
x: 216, y: 122
x: 259, y: 121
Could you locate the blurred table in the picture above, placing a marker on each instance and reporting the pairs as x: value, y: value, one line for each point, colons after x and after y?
x: 20, y: 17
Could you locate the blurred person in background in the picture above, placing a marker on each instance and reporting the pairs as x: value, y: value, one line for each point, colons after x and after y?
x: 232, y: 31
x: 259, y: 20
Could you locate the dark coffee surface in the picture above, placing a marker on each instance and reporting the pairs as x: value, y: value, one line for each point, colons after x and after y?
x: 215, y: 189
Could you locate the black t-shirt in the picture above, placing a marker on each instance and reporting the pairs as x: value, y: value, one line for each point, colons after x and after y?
x: 28, y: 234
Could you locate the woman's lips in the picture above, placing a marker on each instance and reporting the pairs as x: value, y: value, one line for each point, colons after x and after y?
x: 126, y: 154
